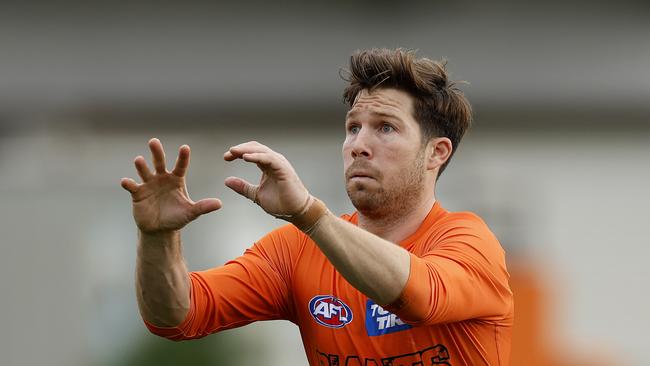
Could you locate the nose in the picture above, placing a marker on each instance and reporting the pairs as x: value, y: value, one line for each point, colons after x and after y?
x: 360, y: 146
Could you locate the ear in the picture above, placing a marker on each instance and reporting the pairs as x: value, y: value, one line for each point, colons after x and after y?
x: 438, y: 151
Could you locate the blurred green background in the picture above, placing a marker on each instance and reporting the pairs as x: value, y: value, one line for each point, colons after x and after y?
x: 558, y: 162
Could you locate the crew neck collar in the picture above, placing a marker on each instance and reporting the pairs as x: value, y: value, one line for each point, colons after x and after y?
x: 436, y: 212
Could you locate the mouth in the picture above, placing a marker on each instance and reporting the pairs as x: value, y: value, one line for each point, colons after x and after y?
x: 360, y: 176
x: 361, y: 170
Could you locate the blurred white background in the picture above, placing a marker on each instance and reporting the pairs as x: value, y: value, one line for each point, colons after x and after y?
x: 558, y: 162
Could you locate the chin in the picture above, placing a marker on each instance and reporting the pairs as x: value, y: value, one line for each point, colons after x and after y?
x: 381, y: 203
x: 363, y: 204
x: 365, y: 201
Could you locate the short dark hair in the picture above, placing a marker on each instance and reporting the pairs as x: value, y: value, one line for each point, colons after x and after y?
x: 439, y: 106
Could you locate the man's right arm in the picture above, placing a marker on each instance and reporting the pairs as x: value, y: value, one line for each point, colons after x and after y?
x: 162, y: 282
x: 161, y: 208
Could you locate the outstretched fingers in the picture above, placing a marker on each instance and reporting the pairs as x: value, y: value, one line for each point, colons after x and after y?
x: 263, y: 160
x: 205, y: 206
x: 158, y: 155
x: 238, y: 151
x: 242, y: 187
x: 254, y: 152
x: 182, y: 162
x: 129, y: 184
x: 142, y: 168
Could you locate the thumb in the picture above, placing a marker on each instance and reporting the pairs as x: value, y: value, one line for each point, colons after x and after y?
x: 205, y: 206
x: 242, y: 187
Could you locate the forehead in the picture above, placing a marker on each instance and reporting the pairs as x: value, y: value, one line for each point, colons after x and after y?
x: 383, y: 101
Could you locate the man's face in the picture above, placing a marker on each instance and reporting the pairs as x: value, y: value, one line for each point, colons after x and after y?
x: 383, y: 156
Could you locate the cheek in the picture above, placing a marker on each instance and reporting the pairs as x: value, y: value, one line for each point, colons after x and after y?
x: 395, y: 162
x: 347, y: 157
x: 346, y: 149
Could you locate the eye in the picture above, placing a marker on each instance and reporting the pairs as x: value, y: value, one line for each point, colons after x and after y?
x: 386, y: 128
x: 354, y: 129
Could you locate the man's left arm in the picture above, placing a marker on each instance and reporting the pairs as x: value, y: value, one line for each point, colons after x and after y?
x: 462, y: 276
x: 455, y: 281
x: 376, y: 267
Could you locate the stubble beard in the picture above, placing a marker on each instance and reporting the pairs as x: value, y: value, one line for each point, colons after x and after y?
x: 393, y: 198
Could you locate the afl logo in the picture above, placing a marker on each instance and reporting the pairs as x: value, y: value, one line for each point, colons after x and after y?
x: 329, y: 311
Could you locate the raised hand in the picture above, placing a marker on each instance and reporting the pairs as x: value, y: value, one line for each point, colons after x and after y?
x: 161, y: 202
x: 280, y: 191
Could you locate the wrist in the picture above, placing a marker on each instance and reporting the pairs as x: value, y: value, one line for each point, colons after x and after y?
x: 314, y: 210
x: 159, y: 237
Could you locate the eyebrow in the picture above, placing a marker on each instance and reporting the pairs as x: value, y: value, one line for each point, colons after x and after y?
x: 351, y: 113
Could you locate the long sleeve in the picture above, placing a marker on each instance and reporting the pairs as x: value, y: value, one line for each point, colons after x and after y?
x: 255, y: 286
x: 461, y: 276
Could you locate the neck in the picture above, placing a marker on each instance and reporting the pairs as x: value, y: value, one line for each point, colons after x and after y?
x: 399, y: 225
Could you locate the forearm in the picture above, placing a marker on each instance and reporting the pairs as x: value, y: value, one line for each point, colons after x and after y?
x: 162, y: 282
x: 374, y: 266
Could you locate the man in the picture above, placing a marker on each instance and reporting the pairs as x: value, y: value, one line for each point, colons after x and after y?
x: 400, y: 282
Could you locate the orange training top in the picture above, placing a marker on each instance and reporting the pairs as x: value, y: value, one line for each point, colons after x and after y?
x: 456, y: 308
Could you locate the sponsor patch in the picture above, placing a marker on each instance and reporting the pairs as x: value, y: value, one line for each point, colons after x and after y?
x: 330, y: 311
x: 380, y: 321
